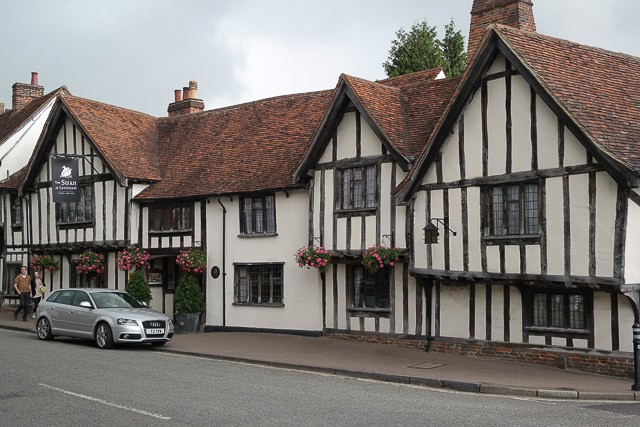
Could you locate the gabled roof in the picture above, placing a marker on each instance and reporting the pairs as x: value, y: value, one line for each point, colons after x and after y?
x: 123, y: 138
x: 11, y: 121
x: 593, y: 91
x: 400, y: 110
x: 245, y: 148
x: 13, y: 182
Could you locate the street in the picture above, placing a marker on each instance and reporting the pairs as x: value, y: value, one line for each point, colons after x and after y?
x: 69, y: 382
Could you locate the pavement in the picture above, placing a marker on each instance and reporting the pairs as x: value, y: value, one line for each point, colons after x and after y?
x: 389, y: 363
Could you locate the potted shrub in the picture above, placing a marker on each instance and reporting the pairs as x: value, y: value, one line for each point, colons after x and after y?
x: 138, y: 287
x: 188, y: 302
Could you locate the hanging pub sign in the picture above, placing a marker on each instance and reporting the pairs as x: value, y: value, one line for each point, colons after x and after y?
x: 65, y: 185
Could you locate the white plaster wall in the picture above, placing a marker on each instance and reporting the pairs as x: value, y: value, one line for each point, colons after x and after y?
x: 496, y: 124
x: 302, y: 287
x: 547, y: 128
x: 480, y: 313
x: 430, y: 177
x: 385, y: 199
x: 454, y: 315
x: 473, y: 136
x: 498, y: 66
x: 346, y: 135
x: 451, y: 157
x: 475, y: 230
x: 515, y: 315
x: 555, y: 226
x: 533, y: 259
x: 520, y: 124
x: 455, y: 223
x: 579, y: 219
x: 497, y: 313
x: 625, y: 322
x: 370, y: 145
x: 574, y: 152
x: 411, y: 296
x: 512, y: 259
x: 437, y: 212
x: 493, y: 259
x: 16, y: 150
x: 606, y: 194
x: 632, y: 244
x: 329, y: 206
x: 602, y: 320
x: 420, y: 249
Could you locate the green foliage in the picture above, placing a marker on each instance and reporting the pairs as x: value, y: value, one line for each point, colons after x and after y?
x: 138, y: 287
x: 188, y: 297
x: 420, y: 49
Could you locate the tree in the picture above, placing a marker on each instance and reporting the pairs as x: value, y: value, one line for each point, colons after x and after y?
x: 420, y: 49
x: 138, y: 287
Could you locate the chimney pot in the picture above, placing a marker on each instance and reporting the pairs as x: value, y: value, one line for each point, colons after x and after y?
x: 193, y: 89
x: 34, y: 78
x: 178, y: 95
x: 185, y: 93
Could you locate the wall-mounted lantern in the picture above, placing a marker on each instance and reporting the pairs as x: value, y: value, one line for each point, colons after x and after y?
x: 431, y: 232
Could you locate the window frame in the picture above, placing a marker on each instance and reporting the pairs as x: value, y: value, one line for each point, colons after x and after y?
x: 166, y: 212
x: 524, y: 216
x: 368, y: 188
x: 381, y: 280
x: 77, y: 224
x: 548, y: 329
x: 267, y: 212
x: 239, y: 289
x: 16, y: 211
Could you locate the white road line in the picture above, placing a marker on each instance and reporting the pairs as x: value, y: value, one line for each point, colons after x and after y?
x: 104, y: 402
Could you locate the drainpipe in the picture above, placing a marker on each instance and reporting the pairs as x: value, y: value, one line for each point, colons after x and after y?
x: 224, y: 264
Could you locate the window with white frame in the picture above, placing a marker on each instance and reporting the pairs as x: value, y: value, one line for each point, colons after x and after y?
x: 358, y: 188
x: 258, y: 215
x: 258, y: 284
x: 77, y: 213
x: 513, y: 210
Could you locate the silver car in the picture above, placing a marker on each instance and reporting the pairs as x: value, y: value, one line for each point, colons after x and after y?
x: 107, y: 316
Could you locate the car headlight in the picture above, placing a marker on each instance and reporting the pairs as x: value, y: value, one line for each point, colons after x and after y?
x: 170, y: 323
x: 130, y: 322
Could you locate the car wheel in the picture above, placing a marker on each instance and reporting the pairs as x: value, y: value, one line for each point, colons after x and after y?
x: 158, y: 343
x: 104, y: 338
x: 43, y: 329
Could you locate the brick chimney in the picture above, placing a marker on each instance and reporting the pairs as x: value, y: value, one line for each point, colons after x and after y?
x: 186, y: 102
x: 514, y: 13
x: 25, y: 93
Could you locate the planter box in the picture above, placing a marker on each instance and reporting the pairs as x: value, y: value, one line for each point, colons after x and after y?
x: 188, y: 322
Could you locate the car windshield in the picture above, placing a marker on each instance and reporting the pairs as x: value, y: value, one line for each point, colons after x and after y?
x: 115, y: 300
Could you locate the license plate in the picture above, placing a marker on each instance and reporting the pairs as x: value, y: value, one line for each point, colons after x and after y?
x: 154, y: 331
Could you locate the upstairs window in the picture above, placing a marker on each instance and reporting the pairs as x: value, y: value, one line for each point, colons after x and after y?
x: 170, y: 218
x: 357, y: 188
x: 513, y: 210
x: 77, y: 213
x: 16, y: 211
x: 258, y: 215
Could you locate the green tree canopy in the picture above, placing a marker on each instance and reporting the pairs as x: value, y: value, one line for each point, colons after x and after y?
x: 420, y: 49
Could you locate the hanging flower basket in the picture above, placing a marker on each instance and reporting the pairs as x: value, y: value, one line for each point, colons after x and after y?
x: 90, y: 262
x: 378, y: 257
x: 44, y: 262
x: 132, y: 259
x: 192, y: 261
x: 313, y: 257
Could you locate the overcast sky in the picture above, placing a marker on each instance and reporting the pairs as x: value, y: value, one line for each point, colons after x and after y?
x: 134, y: 53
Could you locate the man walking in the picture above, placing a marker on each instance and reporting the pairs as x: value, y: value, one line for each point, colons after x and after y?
x: 22, y: 285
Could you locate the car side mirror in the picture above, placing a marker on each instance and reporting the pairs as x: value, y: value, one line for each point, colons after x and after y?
x: 85, y: 304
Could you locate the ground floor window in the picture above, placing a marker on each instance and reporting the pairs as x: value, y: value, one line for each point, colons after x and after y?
x: 369, y: 290
x: 258, y: 284
x: 12, y: 270
x: 559, y: 311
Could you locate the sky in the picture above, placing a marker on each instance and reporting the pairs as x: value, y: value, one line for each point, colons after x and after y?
x: 135, y: 53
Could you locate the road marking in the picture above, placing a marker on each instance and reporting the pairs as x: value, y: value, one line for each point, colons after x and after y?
x: 104, y: 402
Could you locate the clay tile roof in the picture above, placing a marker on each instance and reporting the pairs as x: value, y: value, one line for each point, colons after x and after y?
x: 598, y: 88
x: 406, y: 108
x: 240, y: 149
x: 126, y: 138
x: 12, y: 120
x: 14, y: 181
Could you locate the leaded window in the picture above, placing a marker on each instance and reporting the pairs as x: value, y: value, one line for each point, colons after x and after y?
x: 258, y: 215
x: 513, y: 210
x: 358, y: 188
x: 369, y: 290
x: 170, y: 218
x: 258, y: 284
x: 80, y: 212
x: 560, y: 311
x: 16, y: 211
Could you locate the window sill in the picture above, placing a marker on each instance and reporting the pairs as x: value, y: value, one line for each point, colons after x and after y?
x: 540, y: 330
x: 16, y: 227
x: 524, y: 239
x: 72, y: 225
x: 361, y: 211
x: 256, y: 235
x: 369, y: 310
x: 170, y: 232
x: 253, y: 304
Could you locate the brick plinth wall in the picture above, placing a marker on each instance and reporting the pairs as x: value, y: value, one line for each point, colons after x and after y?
x: 615, y: 364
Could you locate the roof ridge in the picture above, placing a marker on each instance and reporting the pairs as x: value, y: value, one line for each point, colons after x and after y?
x: 93, y: 101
